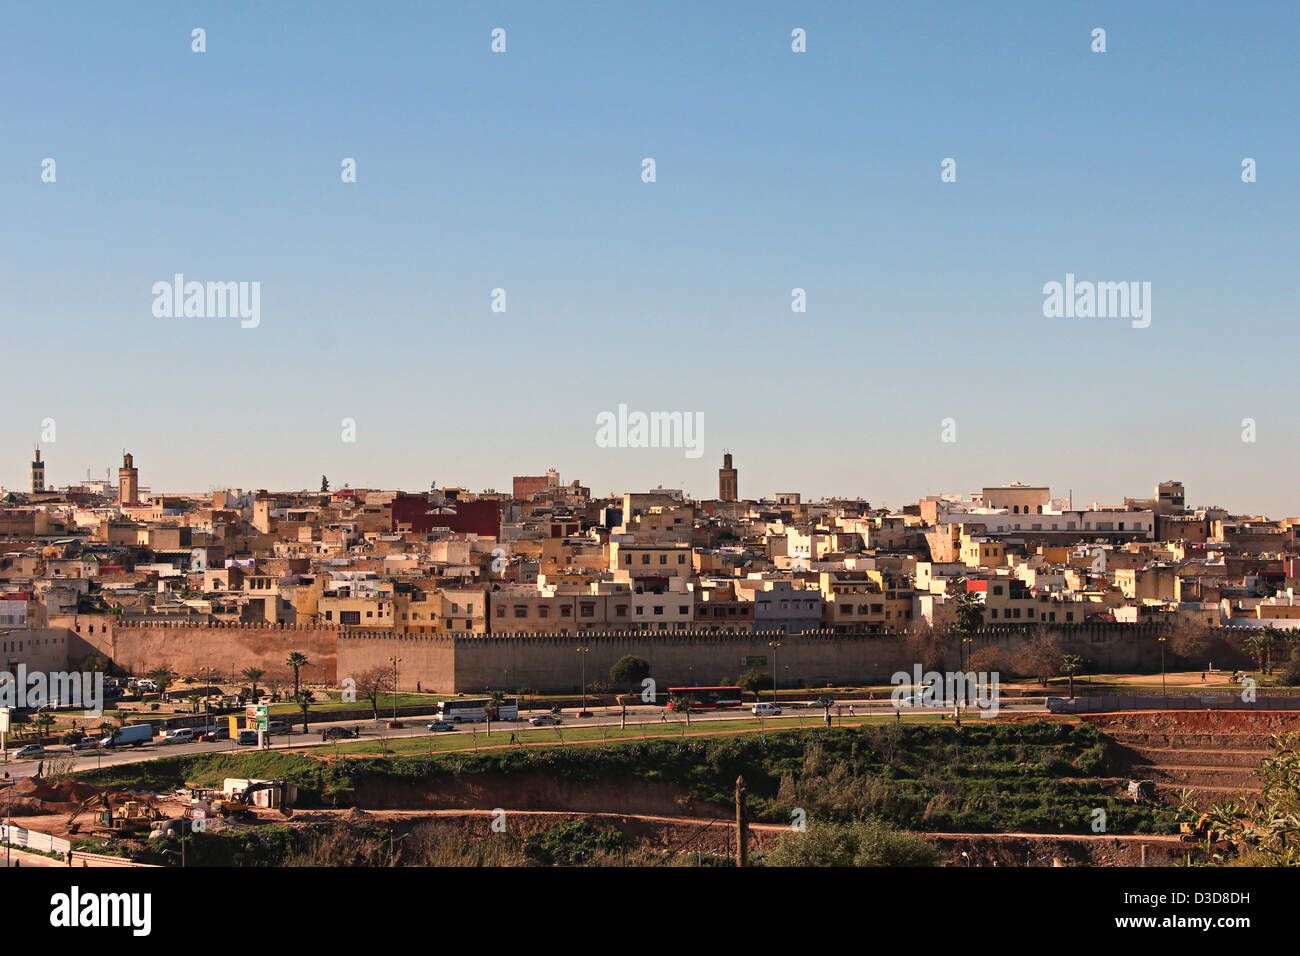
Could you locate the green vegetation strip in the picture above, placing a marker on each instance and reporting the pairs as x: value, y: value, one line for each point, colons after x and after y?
x: 1034, y: 777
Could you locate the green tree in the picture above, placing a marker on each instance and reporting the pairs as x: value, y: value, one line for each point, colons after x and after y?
x: 44, y: 721
x: 324, y: 486
x: 682, y: 702
x: 252, y: 675
x: 968, y: 614
x: 297, y: 660
x: 1291, y: 673
x: 1261, y: 645
x: 303, y: 698
x: 755, y: 680
x: 630, y: 670
x: 1071, y: 664
x: 163, y: 677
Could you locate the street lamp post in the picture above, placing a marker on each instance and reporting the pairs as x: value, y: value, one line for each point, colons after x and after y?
x: 774, y: 645
x: 1162, y: 638
x: 584, y: 651
x: 9, y: 819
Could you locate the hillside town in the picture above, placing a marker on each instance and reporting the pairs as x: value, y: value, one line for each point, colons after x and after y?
x: 551, y: 558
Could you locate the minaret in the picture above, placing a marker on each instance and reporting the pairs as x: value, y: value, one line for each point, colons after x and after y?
x: 128, y: 482
x: 38, y: 473
x: 727, y: 480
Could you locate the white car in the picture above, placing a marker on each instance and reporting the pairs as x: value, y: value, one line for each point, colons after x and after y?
x: 182, y: 736
x: 762, y: 709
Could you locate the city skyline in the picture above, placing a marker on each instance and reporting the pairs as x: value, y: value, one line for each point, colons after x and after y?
x: 727, y: 489
x: 521, y: 171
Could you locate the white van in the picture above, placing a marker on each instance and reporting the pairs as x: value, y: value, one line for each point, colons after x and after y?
x: 763, y: 709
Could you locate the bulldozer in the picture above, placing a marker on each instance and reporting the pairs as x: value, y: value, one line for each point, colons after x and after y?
x: 127, y: 818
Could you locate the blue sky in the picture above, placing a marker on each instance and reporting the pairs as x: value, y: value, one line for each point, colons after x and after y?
x: 775, y: 170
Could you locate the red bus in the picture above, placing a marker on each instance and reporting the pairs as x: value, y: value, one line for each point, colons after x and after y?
x: 708, y: 698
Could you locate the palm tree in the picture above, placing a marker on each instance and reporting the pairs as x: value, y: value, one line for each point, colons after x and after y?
x: 1260, y: 645
x: 303, y: 699
x: 43, y: 722
x: 162, y: 677
x: 252, y: 675
x: 297, y: 660
x: 1071, y: 664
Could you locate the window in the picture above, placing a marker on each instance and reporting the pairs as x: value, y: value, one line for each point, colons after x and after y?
x: 349, y: 617
x: 659, y: 610
x: 681, y: 559
x: 663, y: 559
x: 683, y: 609
x: 588, y: 610
x: 620, y: 610
x: 645, y: 559
x: 501, y: 611
x: 566, y: 611
x: 521, y: 610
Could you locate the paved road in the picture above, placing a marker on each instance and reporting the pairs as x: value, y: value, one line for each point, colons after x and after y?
x: 415, y: 727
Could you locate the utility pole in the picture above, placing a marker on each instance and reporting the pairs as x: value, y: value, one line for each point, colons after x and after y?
x: 395, y: 661
x: 742, y: 825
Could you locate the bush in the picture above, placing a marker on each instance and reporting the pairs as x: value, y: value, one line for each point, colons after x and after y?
x: 1290, y: 676
x: 862, y: 843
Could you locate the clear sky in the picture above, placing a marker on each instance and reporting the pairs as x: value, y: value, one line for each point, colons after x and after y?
x: 775, y: 170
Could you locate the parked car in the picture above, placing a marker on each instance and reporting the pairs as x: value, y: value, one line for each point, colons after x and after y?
x: 247, y: 738
x: 338, y: 733
x: 395, y: 725
x: 86, y: 743
x: 544, y: 720
x: 278, y: 727
x: 182, y: 735
x: 30, y: 752
x: 212, y: 736
x: 441, y: 725
x: 585, y: 713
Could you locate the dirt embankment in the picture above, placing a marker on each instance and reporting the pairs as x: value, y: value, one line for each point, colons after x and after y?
x: 528, y: 791
x: 33, y: 797
x: 1213, y: 754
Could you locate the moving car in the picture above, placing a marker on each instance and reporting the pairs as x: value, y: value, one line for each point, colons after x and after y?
x: 247, y: 738
x: 221, y: 733
x: 337, y: 733
x: 86, y: 743
x: 30, y: 752
x: 441, y: 725
x: 766, y: 709
x: 182, y: 735
x: 278, y: 727
x: 543, y: 720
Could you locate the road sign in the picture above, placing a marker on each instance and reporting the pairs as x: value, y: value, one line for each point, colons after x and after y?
x: 258, y: 715
x: 4, y: 720
x: 753, y: 661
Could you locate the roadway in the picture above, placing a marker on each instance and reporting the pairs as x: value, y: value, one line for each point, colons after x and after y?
x: 415, y: 727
